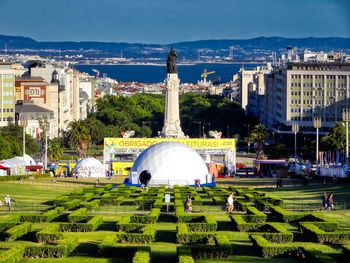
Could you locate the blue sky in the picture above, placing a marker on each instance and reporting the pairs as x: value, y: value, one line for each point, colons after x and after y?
x: 168, y: 21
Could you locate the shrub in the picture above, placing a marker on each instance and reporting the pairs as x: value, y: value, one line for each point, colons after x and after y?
x: 12, y: 255
x: 61, y: 200
x: 89, y: 226
x: 185, y: 255
x: 62, y: 249
x: 7, y: 222
x: 87, y: 197
x: 286, y: 216
x: 45, y: 217
x: 311, y: 231
x: 71, y: 204
x: 146, y: 219
x: 49, y: 234
x: 243, y: 226
x: 254, y: 215
x: 183, y: 236
x: 78, y: 215
x: 141, y: 257
x: 268, y: 249
x: 17, y: 231
x: 92, y: 205
x: 147, y: 235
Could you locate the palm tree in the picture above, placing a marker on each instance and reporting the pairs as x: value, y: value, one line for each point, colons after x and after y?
x: 259, y: 135
x: 79, y: 135
x: 54, y: 150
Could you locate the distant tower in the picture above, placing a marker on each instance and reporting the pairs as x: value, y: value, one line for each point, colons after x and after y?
x: 231, y: 53
x: 172, y: 128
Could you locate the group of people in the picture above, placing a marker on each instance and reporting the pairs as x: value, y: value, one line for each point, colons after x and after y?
x: 279, y: 183
x: 328, y: 202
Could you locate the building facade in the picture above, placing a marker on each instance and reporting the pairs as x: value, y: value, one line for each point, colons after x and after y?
x: 300, y: 91
x: 8, y: 72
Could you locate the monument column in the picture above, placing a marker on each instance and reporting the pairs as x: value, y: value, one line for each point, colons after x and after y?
x: 172, y: 128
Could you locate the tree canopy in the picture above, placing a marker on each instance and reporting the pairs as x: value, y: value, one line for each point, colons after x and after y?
x: 11, y: 138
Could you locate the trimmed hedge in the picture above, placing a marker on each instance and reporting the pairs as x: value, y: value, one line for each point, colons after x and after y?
x: 146, y: 219
x: 7, y: 222
x: 78, y: 216
x: 312, y: 232
x: 92, y: 205
x: 268, y: 249
x: 71, y: 204
x: 184, y: 236
x: 17, y: 231
x: 45, y: 217
x: 208, y: 226
x: 49, y: 234
x: 22, y: 177
x: 185, y: 255
x: 285, y: 216
x: 223, y: 248
x: 59, y: 201
x: 62, y: 249
x: 141, y: 257
x: 243, y: 226
x: 89, y: 226
x: 13, y: 255
x: 147, y: 235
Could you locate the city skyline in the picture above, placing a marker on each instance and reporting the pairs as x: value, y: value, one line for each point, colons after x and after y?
x: 173, y: 21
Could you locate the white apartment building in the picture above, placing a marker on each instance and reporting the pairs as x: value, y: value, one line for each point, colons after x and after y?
x: 245, y: 78
x: 300, y: 91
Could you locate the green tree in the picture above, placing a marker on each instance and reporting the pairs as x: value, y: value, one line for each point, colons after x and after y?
x: 336, y: 139
x: 259, y: 135
x: 79, y: 135
x: 14, y: 135
x: 5, y: 149
x: 54, y: 150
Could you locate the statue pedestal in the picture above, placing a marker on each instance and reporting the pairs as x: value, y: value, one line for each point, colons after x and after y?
x: 172, y: 128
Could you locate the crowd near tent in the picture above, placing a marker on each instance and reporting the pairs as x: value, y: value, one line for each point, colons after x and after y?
x: 169, y: 163
x: 89, y: 167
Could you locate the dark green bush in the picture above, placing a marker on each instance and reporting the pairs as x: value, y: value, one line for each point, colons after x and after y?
x: 317, y: 256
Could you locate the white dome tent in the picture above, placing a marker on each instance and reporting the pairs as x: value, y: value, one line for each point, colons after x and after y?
x: 169, y: 163
x: 89, y: 167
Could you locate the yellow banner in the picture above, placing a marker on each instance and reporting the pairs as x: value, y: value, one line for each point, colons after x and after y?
x: 143, y: 143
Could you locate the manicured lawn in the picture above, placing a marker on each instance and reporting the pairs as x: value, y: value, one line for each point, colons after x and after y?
x: 35, y: 196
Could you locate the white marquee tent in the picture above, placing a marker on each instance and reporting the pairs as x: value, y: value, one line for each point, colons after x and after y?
x: 89, y: 167
x: 169, y: 163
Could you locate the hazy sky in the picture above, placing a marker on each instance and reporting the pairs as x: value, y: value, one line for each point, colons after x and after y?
x: 167, y: 21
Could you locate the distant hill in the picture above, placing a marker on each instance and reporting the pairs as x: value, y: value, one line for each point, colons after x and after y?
x: 272, y: 43
x: 244, y: 49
